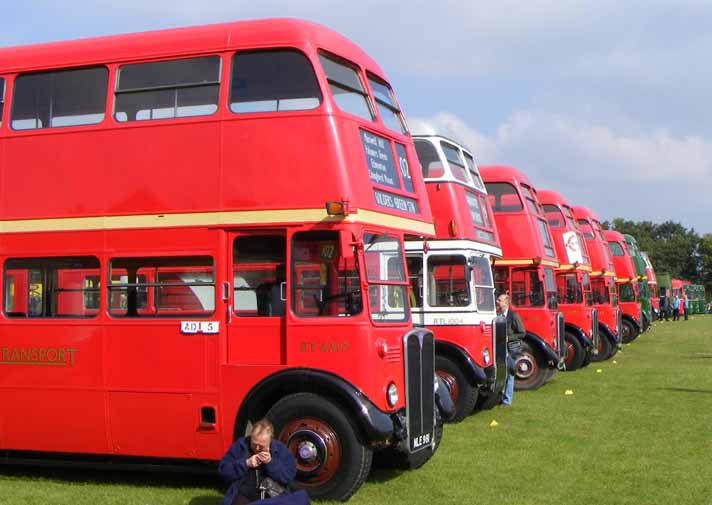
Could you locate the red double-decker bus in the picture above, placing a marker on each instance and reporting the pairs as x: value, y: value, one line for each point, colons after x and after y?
x: 632, y: 313
x: 526, y: 272
x: 603, y: 283
x: 572, y: 281
x: 452, y: 290
x: 204, y: 226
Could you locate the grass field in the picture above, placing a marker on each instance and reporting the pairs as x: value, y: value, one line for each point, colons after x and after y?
x: 638, y: 432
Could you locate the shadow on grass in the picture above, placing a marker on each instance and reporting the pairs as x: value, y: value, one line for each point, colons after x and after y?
x: 383, y: 474
x: 206, y: 500
x: 118, y: 476
x: 687, y: 390
x: 699, y: 356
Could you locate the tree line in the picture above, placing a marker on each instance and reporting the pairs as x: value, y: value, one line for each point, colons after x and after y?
x: 672, y: 248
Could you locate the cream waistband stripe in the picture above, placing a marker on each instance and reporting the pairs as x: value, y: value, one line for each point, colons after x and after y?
x: 211, y: 219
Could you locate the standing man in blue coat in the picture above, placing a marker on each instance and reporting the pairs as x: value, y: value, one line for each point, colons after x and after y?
x: 252, y: 459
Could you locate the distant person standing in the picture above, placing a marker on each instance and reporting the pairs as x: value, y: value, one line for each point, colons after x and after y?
x: 685, y: 304
x: 664, y: 307
x: 676, y: 308
x: 515, y: 333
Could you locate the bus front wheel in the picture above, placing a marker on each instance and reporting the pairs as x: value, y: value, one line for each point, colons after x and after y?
x: 630, y: 332
x: 604, y: 349
x: 529, y: 369
x: 463, y: 394
x: 332, y: 460
x: 574, y: 352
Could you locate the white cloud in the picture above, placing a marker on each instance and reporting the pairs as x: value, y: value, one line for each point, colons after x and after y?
x: 647, y: 175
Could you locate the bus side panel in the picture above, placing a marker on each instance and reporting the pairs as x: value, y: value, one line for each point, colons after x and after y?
x: 50, y: 387
x: 272, y: 168
x: 152, y: 424
x: 140, y: 170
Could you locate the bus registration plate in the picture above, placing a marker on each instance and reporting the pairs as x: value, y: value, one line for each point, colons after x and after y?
x: 192, y: 327
x: 420, y: 442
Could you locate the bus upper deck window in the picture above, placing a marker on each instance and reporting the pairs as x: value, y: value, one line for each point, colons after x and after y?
x: 60, y: 98
x: 586, y: 228
x: 273, y: 81
x: 473, y: 171
x: 503, y: 197
x: 390, y: 114
x: 457, y: 165
x: 168, y: 89
x: 346, y: 87
x: 429, y: 159
x: 554, y: 216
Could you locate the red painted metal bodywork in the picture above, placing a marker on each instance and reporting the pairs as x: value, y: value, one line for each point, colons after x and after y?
x: 448, y: 197
x: 601, y: 266
x: 523, y: 249
x: 136, y: 386
x: 577, y: 314
x: 625, y: 274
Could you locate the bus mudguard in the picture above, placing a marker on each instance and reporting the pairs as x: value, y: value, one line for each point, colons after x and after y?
x: 374, y: 424
x: 604, y: 330
x: 474, y: 372
x: 633, y: 321
x: 538, y: 342
x: 580, y: 335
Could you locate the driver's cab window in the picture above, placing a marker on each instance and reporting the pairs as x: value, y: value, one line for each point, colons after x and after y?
x: 415, y: 277
x: 325, y: 283
x: 448, y: 284
x: 259, y: 276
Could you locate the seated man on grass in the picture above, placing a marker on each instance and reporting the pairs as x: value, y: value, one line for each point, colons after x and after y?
x: 257, y: 462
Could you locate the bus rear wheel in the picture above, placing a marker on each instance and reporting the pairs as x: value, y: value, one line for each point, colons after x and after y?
x: 574, y: 352
x: 332, y: 460
x: 463, y: 394
x: 529, y: 369
x: 630, y: 332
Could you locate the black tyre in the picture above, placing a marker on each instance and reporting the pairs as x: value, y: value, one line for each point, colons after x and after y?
x: 397, y: 457
x: 630, y: 331
x: 550, y: 374
x: 489, y: 399
x: 530, y: 369
x: 614, y: 351
x: 463, y: 394
x: 604, y: 349
x: 332, y: 460
x: 575, y: 353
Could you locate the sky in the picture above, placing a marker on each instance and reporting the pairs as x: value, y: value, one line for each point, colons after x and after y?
x: 607, y: 102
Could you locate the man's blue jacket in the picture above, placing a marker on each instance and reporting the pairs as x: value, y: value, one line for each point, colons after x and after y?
x: 233, y: 467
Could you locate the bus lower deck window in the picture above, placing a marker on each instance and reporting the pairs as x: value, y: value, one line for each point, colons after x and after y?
x: 51, y: 287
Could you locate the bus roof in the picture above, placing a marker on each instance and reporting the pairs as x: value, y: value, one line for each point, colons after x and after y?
x: 584, y: 213
x: 548, y: 196
x: 504, y: 173
x: 156, y: 44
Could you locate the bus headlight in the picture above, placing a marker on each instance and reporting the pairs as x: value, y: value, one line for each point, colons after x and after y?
x: 392, y: 395
x: 486, y: 356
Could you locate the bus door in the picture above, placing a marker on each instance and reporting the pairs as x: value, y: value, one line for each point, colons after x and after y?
x: 256, y: 323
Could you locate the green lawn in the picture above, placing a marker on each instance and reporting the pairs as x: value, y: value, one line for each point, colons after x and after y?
x: 638, y: 432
